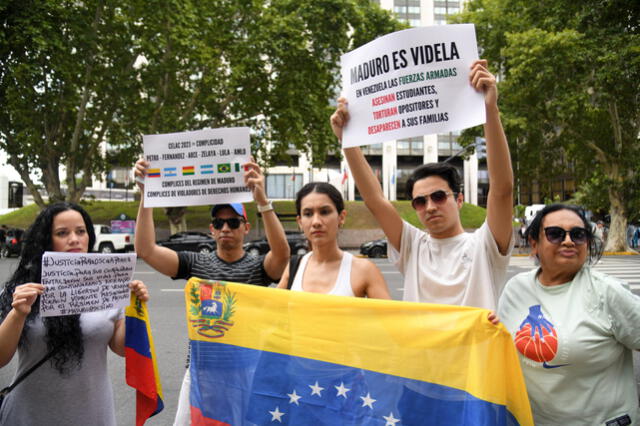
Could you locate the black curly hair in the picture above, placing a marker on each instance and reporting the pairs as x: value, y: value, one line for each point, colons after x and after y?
x: 63, y: 334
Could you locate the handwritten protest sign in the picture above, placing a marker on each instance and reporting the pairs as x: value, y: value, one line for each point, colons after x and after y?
x: 76, y: 283
x: 196, y: 168
x: 410, y: 83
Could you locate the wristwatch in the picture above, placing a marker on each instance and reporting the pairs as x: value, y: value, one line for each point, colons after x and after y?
x: 267, y: 207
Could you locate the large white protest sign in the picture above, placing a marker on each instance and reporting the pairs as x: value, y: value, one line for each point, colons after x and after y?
x: 410, y: 83
x: 196, y: 168
x: 75, y: 283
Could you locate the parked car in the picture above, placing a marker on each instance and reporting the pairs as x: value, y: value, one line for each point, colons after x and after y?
x: 107, y: 242
x: 375, y: 248
x: 190, y: 241
x: 297, y: 243
x: 13, y: 242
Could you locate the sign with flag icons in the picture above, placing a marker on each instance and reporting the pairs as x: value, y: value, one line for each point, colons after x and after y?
x: 263, y: 356
x: 200, y: 167
x: 140, y: 359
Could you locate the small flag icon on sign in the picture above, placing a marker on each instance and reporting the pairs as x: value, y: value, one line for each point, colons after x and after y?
x: 224, y: 168
x: 188, y: 171
x: 153, y: 173
x: 170, y: 172
x: 206, y: 169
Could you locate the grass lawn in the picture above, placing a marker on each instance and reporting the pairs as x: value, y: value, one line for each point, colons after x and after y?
x: 358, y: 216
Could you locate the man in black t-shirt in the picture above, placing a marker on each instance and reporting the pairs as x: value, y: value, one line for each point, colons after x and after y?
x: 229, y: 262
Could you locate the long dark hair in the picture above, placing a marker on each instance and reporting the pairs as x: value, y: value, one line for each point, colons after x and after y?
x: 533, y: 231
x: 322, y: 188
x: 63, y: 334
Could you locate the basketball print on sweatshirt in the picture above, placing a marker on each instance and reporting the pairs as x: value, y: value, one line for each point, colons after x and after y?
x: 537, y: 338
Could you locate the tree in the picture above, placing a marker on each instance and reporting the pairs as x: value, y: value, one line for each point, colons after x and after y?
x: 65, y: 75
x: 570, y: 91
x: 76, y: 75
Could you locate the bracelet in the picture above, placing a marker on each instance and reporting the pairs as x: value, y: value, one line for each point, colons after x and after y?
x: 267, y: 207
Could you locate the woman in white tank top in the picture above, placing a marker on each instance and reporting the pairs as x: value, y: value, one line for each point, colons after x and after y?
x: 327, y: 269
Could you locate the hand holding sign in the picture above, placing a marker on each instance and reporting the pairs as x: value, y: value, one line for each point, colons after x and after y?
x: 340, y: 118
x: 483, y: 81
x: 24, y: 296
x: 254, y: 180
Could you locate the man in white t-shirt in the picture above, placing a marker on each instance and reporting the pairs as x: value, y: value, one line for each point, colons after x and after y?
x: 445, y: 264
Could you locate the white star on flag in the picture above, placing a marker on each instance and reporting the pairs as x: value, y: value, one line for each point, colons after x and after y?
x: 342, y: 391
x: 367, y: 401
x: 293, y: 397
x: 316, y: 389
x: 391, y: 421
x: 276, y: 415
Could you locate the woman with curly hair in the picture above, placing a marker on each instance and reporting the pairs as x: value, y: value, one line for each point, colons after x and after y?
x: 72, y: 387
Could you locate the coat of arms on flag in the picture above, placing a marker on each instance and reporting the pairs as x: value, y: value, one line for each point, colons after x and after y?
x: 264, y: 356
x: 211, y: 307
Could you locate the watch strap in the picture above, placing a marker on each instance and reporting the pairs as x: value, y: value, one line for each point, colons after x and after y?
x: 267, y: 207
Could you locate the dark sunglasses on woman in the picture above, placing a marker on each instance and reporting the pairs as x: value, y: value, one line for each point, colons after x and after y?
x: 234, y: 223
x: 556, y: 235
x: 437, y: 197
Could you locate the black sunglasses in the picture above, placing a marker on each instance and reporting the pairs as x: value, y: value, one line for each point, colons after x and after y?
x: 556, y: 235
x: 438, y: 197
x: 234, y: 223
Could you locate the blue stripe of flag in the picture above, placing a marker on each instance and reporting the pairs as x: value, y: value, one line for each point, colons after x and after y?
x: 238, y: 386
x: 136, y: 336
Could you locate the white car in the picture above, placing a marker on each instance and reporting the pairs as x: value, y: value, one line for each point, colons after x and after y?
x: 106, y: 242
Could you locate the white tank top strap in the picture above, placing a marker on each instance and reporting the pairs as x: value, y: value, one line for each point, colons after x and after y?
x: 343, y: 281
x: 297, y: 280
x: 342, y: 286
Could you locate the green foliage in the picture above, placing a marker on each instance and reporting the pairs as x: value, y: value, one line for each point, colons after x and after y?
x: 518, y: 210
x: 570, y: 90
x: 229, y: 304
x: 194, y: 297
x: 76, y: 75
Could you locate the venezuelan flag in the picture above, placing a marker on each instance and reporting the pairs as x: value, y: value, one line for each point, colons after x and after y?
x: 140, y: 360
x: 261, y: 355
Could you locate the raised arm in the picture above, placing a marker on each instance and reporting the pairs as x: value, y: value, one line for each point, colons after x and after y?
x: 162, y: 259
x: 500, y: 198
x: 276, y: 260
x: 11, y: 328
x: 366, y: 181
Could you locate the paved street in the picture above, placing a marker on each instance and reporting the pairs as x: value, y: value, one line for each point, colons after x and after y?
x: 169, y: 331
